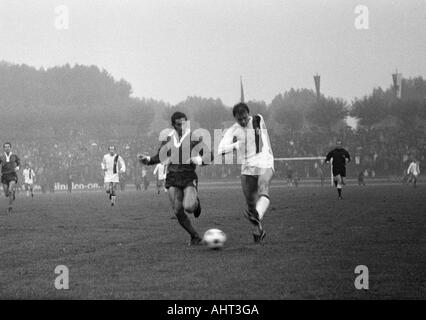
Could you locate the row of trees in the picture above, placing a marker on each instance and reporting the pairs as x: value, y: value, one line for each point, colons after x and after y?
x: 55, y: 101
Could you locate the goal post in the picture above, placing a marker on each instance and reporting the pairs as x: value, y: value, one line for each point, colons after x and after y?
x: 297, y: 159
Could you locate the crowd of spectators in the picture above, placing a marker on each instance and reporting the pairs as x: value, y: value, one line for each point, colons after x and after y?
x: 378, y: 152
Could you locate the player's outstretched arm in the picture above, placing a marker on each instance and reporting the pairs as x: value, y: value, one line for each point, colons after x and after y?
x: 409, y: 168
x: 347, y: 157
x: 122, y: 165
x: 145, y: 159
x: 103, y: 164
x: 228, y: 143
x: 328, y: 157
x: 18, y: 163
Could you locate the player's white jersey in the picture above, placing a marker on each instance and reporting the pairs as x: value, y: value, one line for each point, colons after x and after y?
x: 253, y: 145
x: 114, y: 164
x: 161, y: 170
x: 29, y: 175
x: 414, y: 168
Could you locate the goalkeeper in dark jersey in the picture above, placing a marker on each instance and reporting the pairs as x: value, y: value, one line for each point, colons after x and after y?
x: 182, y: 153
x: 340, y: 158
x: 9, y: 163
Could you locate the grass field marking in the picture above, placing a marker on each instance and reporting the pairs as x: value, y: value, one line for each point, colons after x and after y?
x: 62, y: 280
x: 362, y: 280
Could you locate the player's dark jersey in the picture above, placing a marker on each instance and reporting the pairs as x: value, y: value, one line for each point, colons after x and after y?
x: 177, y: 151
x: 8, y: 164
x: 339, y: 156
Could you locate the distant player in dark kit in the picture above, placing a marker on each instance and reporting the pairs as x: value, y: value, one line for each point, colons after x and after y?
x: 340, y: 158
x: 361, y: 181
x: 182, y: 154
x: 290, y: 174
x: 9, y: 163
x: 69, y: 182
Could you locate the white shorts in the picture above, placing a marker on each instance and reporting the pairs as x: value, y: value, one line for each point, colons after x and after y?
x: 111, y: 177
x: 254, y: 171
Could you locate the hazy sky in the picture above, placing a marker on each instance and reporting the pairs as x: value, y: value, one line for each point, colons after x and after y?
x: 172, y: 49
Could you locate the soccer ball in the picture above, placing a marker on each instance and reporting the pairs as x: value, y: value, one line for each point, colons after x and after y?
x: 214, y: 238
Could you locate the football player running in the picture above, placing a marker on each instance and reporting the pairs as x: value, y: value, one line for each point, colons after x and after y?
x: 112, y: 165
x: 250, y: 137
x: 182, y: 155
x: 29, y: 177
x: 340, y: 158
x: 9, y: 163
x: 413, y: 172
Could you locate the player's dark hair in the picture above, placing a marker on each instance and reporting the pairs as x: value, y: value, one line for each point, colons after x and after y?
x: 240, y: 108
x: 178, y: 115
x: 7, y: 143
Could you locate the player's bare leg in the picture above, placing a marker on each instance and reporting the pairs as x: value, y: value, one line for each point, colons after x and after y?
x: 169, y: 195
x: 191, y: 202
x: 177, y: 197
x: 6, y: 190
x: 11, y: 193
x: 263, y: 200
x: 108, y: 190
x: 6, y: 194
x: 339, y: 184
x: 113, y: 196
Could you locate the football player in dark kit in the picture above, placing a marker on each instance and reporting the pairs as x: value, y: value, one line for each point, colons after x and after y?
x: 340, y: 158
x: 9, y: 163
x: 182, y: 154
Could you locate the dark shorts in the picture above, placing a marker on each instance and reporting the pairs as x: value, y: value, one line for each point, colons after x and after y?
x: 6, y: 178
x: 339, y: 171
x: 181, y: 180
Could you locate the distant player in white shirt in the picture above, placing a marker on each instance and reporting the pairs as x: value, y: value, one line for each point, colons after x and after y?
x: 29, y: 178
x: 250, y: 137
x: 413, y: 172
x: 112, y: 165
x: 161, y: 172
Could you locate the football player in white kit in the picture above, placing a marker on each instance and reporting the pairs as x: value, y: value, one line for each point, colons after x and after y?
x: 250, y: 137
x: 29, y: 177
x: 112, y: 165
x: 161, y: 172
x: 413, y: 172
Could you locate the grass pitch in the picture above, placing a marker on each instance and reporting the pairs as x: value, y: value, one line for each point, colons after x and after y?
x: 136, y: 251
